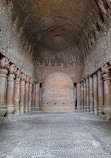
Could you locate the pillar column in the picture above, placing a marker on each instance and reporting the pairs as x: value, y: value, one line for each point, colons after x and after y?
x: 85, y: 98
x: 3, y: 86
x: 95, y: 93
x: 37, y: 96
x: 78, y: 96
x: 30, y: 94
x: 82, y: 96
x: 91, y: 94
x: 17, y: 93
x: 100, y: 92
x: 87, y: 94
x: 22, y: 94
x: 107, y: 92
x: 10, y: 90
x: 27, y: 94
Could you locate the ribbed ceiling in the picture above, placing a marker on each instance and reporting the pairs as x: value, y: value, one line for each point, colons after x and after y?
x: 59, y: 31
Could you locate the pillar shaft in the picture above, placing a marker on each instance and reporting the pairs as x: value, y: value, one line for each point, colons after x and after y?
x: 3, y: 89
x: 10, y: 94
x: 87, y: 94
x: 17, y: 96
x: 82, y: 96
x: 37, y: 96
x: 78, y: 96
x: 30, y: 95
x: 22, y: 96
x: 95, y: 93
x: 85, y: 98
x: 27, y: 95
x: 33, y: 97
x: 91, y: 94
x: 100, y: 92
x: 107, y: 89
x: 107, y: 95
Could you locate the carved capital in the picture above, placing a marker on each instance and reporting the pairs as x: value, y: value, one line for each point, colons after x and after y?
x: 12, y: 69
x: 4, y: 62
x: 3, y: 72
x: 27, y: 79
x: 105, y: 69
x: 18, y: 74
x: 17, y: 80
x: 11, y: 77
x: 30, y: 81
x: 106, y: 77
x: 23, y: 77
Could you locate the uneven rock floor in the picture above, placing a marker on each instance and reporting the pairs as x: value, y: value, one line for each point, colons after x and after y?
x: 48, y: 135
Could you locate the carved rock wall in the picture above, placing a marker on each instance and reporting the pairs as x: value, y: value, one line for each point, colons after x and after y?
x: 100, y: 53
x: 10, y: 45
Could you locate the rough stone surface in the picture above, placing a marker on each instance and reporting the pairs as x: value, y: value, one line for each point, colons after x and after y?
x: 46, y: 135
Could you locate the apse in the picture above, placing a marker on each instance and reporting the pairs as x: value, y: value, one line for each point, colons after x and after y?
x: 58, y: 93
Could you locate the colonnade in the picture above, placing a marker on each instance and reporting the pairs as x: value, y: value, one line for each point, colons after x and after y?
x: 94, y: 92
x: 17, y: 94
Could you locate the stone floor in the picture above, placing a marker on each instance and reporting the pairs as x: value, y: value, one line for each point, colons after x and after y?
x: 47, y: 135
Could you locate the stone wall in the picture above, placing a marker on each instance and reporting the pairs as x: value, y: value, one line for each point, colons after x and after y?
x: 10, y: 45
x: 100, y: 53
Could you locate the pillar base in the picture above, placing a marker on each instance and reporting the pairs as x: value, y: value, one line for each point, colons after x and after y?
x: 17, y: 113
x: 107, y: 111
x: 22, y: 110
x: 10, y: 109
x: 3, y: 110
x: 26, y: 110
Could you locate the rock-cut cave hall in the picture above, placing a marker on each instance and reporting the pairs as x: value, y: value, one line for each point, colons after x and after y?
x: 55, y: 78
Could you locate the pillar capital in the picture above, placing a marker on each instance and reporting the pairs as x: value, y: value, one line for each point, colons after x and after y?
x: 12, y: 68
x: 23, y: 77
x: 105, y: 69
x: 18, y: 77
x: 107, y: 76
x: 4, y: 62
x: 30, y: 81
x: 3, y: 72
x: 27, y: 79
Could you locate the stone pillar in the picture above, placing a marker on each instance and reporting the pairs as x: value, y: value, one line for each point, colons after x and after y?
x: 91, y: 94
x: 27, y: 94
x: 82, y: 96
x: 95, y: 93
x: 10, y: 90
x: 3, y: 86
x: 37, y: 96
x: 100, y: 92
x: 17, y: 93
x: 30, y: 94
x: 85, y: 98
x: 22, y: 94
x: 107, y: 92
x: 78, y: 96
x: 87, y: 94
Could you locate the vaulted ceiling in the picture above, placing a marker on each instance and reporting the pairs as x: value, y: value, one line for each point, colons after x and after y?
x: 59, y: 31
